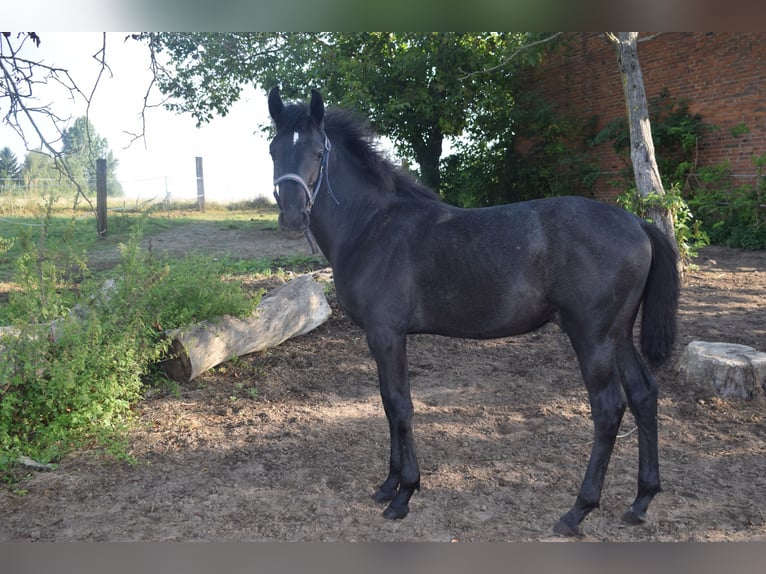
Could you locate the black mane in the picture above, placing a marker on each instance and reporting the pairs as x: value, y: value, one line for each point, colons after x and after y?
x: 358, y: 139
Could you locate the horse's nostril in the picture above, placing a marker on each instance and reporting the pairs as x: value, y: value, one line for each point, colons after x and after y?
x: 293, y: 223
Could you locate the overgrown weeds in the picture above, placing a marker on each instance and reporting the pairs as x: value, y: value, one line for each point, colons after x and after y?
x: 688, y: 231
x: 734, y: 216
x: 83, y: 348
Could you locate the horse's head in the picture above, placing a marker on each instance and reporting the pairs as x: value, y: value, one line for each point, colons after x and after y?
x: 300, y: 152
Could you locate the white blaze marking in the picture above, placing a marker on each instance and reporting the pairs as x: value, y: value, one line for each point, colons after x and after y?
x: 296, y: 137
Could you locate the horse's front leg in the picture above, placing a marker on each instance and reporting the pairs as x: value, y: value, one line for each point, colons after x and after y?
x: 390, y: 353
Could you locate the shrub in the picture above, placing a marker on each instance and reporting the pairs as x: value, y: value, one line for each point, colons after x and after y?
x: 688, y: 232
x: 734, y: 217
x: 83, y: 351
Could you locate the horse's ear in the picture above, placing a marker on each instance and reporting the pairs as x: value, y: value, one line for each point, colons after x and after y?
x: 275, y: 104
x: 316, y: 107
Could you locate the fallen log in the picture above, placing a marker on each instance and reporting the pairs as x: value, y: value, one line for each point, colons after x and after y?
x: 732, y: 371
x: 293, y: 309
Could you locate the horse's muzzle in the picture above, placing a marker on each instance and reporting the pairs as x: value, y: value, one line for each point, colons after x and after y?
x: 294, y: 224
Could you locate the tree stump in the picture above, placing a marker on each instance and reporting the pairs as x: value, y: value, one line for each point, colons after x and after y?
x: 732, y: 371
x: 290, y: 310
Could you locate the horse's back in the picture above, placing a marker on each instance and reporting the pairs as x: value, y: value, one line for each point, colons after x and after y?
x: 544, y: 239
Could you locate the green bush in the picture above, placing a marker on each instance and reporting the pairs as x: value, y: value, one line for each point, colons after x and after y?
x: 734, y: 217
x: 84, y: 350
x: 688, y: 232
x: 723, y: 214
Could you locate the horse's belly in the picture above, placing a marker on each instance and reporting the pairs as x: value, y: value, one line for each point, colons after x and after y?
x: 478, y: 316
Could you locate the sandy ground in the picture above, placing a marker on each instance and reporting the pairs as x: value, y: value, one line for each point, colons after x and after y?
x: 289, y: 444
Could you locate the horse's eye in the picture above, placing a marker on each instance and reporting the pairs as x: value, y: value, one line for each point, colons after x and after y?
x: 319, y: 155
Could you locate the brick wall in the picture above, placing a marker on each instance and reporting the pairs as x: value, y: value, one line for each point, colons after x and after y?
x: 723, y: 76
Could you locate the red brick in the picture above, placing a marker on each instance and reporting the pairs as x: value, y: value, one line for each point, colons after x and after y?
x: 723, y: 75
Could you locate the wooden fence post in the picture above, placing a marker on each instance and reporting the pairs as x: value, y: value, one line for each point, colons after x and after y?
x: 200, y: 186
x: 101, y: 198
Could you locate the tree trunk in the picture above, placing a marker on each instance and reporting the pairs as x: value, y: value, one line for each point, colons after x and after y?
x: 428, y: 154
x: 642, y: 156
x: 293, y: 309
x: 732, y: 371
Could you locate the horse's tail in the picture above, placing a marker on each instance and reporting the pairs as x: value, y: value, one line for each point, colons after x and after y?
x: 658, y: 319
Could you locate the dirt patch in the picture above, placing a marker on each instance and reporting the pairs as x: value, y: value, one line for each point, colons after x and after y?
x: 239, y: 241
x: 289, y: 444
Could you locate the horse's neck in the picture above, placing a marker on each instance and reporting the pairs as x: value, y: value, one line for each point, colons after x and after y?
x: 340, y: 226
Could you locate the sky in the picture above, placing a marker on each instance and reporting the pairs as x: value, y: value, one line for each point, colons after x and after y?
x: 234, y: 151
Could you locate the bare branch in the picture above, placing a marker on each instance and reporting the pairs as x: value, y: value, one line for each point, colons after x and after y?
x: 515, y: 53
x: 19, y: 78
x: 156, y: 69
x: 649, y: 37
x: 612, y: 37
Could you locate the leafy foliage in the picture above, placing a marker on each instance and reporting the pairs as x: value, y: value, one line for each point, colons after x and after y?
x: 688, y: 232
x: 42, y: 174
x: 722, y: 214
x: 442, y: 82
x: 84, y: 349
x: 675, y: 133
x: 731, y: 216
x: 539, y: 153
x: 82, y: 146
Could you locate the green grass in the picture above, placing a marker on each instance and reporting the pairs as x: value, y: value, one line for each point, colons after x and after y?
x: 77, y: 229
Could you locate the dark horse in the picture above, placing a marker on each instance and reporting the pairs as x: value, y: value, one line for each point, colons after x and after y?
x: 405, y: 262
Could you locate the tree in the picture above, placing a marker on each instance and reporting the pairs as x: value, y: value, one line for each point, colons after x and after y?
x: 40, y: 173
x: 20, y: 78
x: 647, y: 174
x: 10, y: 171
x: 491, y: 166
x: 417, y: 88
x: 82, y: 146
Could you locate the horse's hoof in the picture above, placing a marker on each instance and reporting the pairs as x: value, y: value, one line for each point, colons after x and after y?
x: 633, y: 518
x: 563, y: 529
x: 382, y: 496
x: 395, y: 513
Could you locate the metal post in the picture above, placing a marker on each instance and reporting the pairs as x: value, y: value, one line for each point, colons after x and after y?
x: 167, y: 197
x: 200, y: 186
x: 101, y: 198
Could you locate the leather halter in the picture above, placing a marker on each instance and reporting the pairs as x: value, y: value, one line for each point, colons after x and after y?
x: 310, y: 194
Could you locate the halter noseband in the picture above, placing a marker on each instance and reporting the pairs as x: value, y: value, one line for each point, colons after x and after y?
x: 310, y: 194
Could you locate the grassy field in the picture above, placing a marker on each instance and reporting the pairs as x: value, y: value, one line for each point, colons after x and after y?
x: 57, y: 227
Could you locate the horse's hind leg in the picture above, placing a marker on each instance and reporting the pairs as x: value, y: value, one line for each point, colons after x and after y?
x: 641, y: 391
x: 607, y: 403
